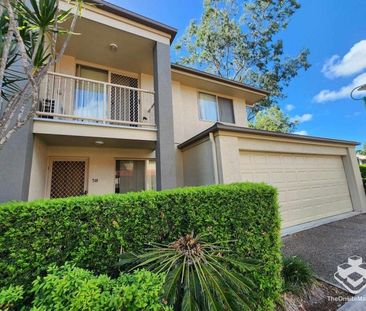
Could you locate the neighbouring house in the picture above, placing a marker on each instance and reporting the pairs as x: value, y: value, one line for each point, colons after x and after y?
x: 361, y: 159
x: 116, y: 116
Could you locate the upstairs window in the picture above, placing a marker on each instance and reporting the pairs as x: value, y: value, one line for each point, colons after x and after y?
x: 213, y: 108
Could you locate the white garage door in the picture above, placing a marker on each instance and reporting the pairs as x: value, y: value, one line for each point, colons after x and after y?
x: 310, y: 186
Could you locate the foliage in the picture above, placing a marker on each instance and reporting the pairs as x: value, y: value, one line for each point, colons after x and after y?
x: 273, y: 119
x: 199, y: 275
x: 363, y: 150
x: 363, y: 175
x: 72, y: 288
x: 91, y: 231
x: 10, y: 297
x: 297, y: 274
x: 30, y: 31
x: 37, y: 20
x: 240, y: 40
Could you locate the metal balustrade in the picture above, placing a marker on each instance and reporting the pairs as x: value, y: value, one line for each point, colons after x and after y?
x: 65, y: 97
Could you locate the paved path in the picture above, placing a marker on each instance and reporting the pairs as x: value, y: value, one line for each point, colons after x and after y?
x: 329, y: 245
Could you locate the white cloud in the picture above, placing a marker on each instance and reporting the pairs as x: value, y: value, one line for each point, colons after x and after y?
x: 353, y: 62
x: 343, y: 92
x: 301, y: 133
x: 304, y: 118
x: 290, y: 107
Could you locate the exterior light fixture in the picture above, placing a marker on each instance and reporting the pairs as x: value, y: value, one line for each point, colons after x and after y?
x: 99, y: 142
x: 113, y: 47
x: 359, y: 93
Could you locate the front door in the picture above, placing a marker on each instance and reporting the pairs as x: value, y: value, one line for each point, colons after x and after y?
x: 67, y: 178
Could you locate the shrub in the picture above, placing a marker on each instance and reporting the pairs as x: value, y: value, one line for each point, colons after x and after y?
x: 91, y: 231
x: 363, y: 174
x: 71, y: 288
x: 193, y: 267
x: 10, y: 297
x: 297, y: 274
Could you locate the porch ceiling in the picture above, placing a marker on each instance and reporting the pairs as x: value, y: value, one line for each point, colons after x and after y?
x: 78, y: 141
x: 92, y: 44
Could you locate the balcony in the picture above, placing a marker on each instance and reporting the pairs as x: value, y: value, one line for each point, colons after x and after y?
x: 70, y: 98
x: 76, y: 111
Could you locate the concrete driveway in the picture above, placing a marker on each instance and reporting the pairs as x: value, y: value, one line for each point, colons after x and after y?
x: 329, y: 245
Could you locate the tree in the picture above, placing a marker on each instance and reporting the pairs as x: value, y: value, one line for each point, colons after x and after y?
x: 238, y: 39
x: 30, y: 31
x: 363, y: 150
x: 273, y: 119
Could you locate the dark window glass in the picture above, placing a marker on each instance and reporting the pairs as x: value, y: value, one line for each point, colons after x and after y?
x: 226, y: 110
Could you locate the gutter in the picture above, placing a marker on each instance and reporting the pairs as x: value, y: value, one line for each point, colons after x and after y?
x: 203, y: 74
x: 237, y: 129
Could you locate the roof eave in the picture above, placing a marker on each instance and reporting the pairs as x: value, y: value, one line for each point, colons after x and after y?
x: 219, y: 79
x: 224, y: 127
x: 114, y: 9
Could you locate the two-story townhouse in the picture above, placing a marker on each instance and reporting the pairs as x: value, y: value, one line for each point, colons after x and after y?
x: 116, y: 116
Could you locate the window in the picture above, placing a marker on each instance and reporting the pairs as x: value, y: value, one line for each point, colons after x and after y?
x: 135, y: 175
x: 89, y: 97
x: 214, y: 108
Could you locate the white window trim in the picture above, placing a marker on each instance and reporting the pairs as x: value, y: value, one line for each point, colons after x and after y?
x: 217, y: 106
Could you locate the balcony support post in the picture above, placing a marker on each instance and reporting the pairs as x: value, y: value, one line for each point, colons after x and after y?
x: 165, y: 147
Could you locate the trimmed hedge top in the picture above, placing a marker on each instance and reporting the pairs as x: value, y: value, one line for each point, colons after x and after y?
x: 363, y: 175
x: 91, y: 231
x: 363, y: 170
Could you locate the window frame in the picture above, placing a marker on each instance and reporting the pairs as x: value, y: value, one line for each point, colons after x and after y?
x: 217, y: 106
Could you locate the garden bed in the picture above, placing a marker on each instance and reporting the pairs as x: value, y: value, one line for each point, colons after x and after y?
x: 321, y: 296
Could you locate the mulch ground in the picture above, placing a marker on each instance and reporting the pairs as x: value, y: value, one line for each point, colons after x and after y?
x: 320, y: 296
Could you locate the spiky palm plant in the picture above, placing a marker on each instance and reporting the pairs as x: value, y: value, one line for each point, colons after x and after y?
x: 199, y: 275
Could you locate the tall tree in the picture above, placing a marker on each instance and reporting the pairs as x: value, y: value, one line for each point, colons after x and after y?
x: 363, y: 150
x: 240, y: 40
x: 273, y: 119
x: 30, y: 31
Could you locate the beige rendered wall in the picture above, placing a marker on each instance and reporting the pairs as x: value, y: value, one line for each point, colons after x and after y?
x: 101, y: 165
x: 188, y: 124
x: 198, y: 164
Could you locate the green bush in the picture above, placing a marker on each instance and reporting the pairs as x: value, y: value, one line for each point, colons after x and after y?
x: 91, y: 231
x: 297, y: 274
x: 10, y: 297
x: 71, y: 288
x: 363, y: 174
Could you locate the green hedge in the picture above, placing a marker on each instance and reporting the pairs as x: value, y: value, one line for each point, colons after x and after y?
x: 91, y: 231
x: 363, y: 174
x: 72, y: 288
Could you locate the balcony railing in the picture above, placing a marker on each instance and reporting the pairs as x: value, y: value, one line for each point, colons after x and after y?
x: 65, y: 97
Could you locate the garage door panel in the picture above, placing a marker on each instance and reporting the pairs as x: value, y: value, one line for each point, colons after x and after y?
x: 310, y: 186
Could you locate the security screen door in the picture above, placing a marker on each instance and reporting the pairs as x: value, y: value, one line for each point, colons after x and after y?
x: 68, y: 178
x: 124, y: 101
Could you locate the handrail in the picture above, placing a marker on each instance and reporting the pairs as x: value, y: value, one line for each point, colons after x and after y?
x: 47, y: 114
x: 68, y: 97
x: 99, y: 82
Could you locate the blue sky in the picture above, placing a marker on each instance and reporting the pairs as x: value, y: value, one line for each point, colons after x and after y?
x: 328, y: 28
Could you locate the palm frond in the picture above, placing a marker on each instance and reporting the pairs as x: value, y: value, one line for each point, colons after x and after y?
x: 200, y: 275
